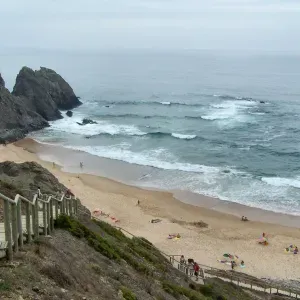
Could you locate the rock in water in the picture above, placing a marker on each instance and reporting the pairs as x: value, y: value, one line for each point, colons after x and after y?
x: 69, y: 113
x: 86, y: 121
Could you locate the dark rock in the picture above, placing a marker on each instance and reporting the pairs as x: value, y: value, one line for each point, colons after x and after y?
x: 2, y: 82
x: 86, y: 121
x: 35, y: 96
x: 261, y: 101
x: 60, y: 91
x: 16, y: 119
x: 69, y: 113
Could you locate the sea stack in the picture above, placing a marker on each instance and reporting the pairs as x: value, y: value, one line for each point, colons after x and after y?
x: 37, y: 98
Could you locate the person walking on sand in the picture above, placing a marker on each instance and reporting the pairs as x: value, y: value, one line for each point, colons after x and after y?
x: 196, y: 270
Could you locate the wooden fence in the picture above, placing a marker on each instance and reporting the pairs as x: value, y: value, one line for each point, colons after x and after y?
x: 26, y: 218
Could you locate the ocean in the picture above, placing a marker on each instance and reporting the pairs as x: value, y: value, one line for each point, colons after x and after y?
x: 225, y: 125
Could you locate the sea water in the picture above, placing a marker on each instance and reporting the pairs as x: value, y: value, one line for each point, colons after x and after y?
x: 221, y: 124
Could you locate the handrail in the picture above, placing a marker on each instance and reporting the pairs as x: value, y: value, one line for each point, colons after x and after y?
x: 13, y: 217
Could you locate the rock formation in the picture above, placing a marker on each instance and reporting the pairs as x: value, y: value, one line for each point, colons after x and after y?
x: 15, y: 118
x: 69, y: 113
x: 36, y: 98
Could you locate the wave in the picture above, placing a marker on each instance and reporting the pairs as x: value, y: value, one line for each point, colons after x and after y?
x: 281, y: 181
x: 165, y: 103
x: 184, y: 136
x: 70, y: 125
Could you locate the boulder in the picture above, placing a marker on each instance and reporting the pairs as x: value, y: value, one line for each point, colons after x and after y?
x: 69, y: 113
x: 86, y: 121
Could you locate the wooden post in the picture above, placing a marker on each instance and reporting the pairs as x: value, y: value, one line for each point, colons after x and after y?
x: 56, y: 209
x: 76, y: 206
x: 15, y: 227
x: 71, y: 207
x: 66, y: 206
x: 45, y: 218
x: 20, y: 226
x: 62, y: 206
x: 7, y: 222
x: 37, y: 220
x: 28, y: 225
x: 48, y: 218
x: 51, y: 215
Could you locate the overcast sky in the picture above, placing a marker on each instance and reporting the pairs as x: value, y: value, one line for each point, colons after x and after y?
x: 160, y: 24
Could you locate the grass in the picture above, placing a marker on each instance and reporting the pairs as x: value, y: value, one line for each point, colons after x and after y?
x: 177, y: 291
x: 114, y: 246
x: 95, y: 241
x: 127, y: 293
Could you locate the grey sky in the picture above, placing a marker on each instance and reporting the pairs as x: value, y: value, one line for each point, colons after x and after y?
x: 160, y: 24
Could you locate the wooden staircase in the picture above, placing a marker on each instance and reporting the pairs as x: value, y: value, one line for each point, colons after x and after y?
x: 27, y: 219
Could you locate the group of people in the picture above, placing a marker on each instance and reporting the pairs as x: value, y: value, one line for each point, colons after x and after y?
x: 192, y: 266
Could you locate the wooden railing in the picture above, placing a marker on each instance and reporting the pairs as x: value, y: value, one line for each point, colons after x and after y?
x: 39, y: 213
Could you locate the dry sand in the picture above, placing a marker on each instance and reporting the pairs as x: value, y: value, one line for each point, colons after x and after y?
x: 225, y: 232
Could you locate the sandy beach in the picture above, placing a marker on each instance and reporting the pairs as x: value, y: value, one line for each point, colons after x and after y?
x: 225, y: 232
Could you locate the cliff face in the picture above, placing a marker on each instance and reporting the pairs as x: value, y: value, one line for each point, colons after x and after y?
x: 36, y: 98
x: 15, y: 118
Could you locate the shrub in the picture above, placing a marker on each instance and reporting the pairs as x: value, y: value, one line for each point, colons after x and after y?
x: 177, y: 291
x: 206, y: 290
x: 4, y: 286
x: 127, y: 293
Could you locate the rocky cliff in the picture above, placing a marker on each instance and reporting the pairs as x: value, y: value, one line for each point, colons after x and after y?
x: 36, y: 98
x: 15, y: 118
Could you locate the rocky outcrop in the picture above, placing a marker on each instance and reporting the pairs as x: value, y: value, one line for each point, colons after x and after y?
x: 36, y: 98
x: 60, y: 91
x: 86, y: 121
x: 46, y: 92
x: 2, y: 83
x: 15, y: 118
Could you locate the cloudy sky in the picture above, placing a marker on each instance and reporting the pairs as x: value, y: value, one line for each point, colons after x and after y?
x: 269, y: 25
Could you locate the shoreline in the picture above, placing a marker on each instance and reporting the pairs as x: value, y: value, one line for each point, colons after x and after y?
x: 225, y: 232
x: 109, y: 169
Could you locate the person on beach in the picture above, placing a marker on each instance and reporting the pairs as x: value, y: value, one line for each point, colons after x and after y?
x: 296, y: 250
x: 81, y: 165
x: 196, y: 270
x: 232, y: 265
x: 39, y: 192
x: 138, y: 202
x: 69, y: 193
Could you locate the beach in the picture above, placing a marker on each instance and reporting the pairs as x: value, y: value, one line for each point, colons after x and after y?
x: 225, y: 233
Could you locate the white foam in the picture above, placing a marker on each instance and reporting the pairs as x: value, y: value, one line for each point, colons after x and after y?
x: 184, y: 136
x: 281, y: 181
x: 69, y: 125
x: 165, y: 103
x: 154, y: 158
x: 228, y: 109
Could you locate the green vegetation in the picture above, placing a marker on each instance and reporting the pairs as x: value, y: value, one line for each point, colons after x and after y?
x: 177, y: 291
x: 127, y: 293
x: 4, y: 286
